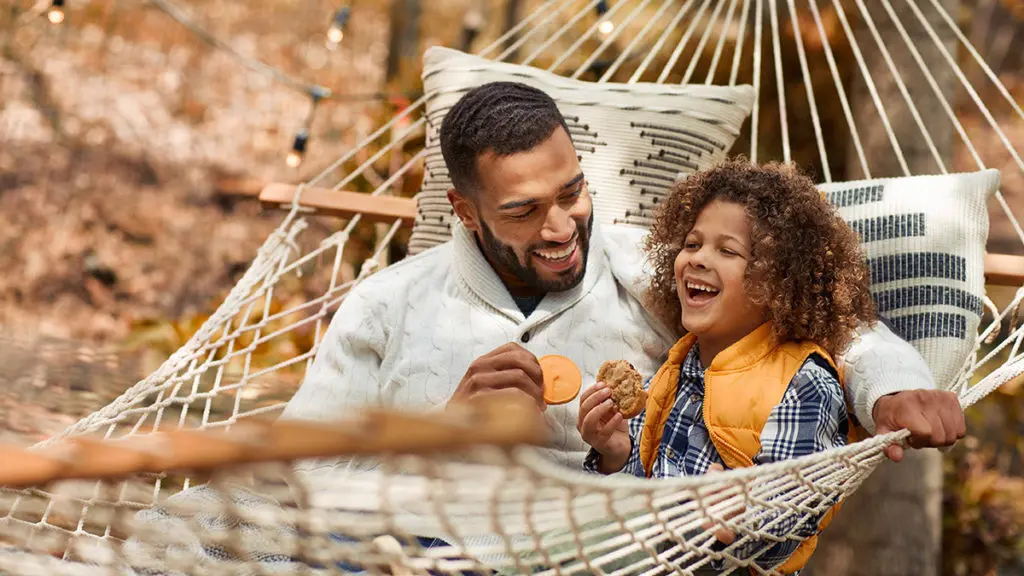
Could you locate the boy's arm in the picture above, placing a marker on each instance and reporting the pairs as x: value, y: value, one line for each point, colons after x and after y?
x: 810, y: 418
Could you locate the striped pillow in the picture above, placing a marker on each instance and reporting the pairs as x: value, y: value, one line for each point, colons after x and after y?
x: 924, y: 238
x: 633, y: 140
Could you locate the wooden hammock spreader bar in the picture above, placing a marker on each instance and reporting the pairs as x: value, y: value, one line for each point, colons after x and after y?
x: 1004, y: 270
x: 1000, y: 269
x: 343, y: 204
x: 503, y: 420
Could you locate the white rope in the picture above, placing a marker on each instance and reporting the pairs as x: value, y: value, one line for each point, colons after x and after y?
x: 713, y: 67
x: 627, y: 52
x: 610, y: 39
x: 559, y: 33
x: 699, y: 50
x: 741, y: 34
x: 977, y: 58
x: 756, y: 112
x: 901, y: 86
x: 678, y: 51
x: 870, y: 84
x: 843, y: 100
x: 981, y: 107
x: 539, y: 518
x: 815, y: 121
x: 660, y: 43
x: 780, y: 83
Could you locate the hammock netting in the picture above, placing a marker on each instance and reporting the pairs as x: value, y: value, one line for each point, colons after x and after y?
x: 685, y: 82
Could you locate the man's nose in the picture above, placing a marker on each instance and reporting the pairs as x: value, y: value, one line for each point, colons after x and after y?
x: 559, y: 227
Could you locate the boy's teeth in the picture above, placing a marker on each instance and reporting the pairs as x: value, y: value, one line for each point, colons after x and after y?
x: 695, y: 286
x: 556, y: 254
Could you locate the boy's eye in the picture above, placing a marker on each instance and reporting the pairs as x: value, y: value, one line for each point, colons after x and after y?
x: 728, y: 252
x: 691, y: 245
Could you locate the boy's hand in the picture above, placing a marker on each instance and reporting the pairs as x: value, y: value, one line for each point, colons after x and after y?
x: 602, y: 426
x: 934, y: 418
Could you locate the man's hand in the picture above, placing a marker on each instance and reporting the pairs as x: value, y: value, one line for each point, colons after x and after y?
x: 933, y: 417
x: 602, y: 426
x: 505, y: 367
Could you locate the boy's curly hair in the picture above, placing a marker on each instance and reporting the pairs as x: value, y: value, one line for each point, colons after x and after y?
x: 806, y: 265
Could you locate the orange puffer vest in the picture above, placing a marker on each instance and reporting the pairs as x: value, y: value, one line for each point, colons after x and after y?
x: 741, y: 388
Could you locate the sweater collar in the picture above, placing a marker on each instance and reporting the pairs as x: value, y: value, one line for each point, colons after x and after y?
x: 480, y: 277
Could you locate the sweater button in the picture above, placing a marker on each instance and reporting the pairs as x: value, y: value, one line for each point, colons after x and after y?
x: 525, y: 337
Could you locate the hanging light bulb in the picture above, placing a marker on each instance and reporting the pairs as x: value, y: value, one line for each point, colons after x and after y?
x: 56, y: 12
x: 298, y: 149
x: 336, y: 32
x: 606, y: 26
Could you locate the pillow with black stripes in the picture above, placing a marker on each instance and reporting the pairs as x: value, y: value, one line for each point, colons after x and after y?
x: 633, y: 140
x: 924, y: 238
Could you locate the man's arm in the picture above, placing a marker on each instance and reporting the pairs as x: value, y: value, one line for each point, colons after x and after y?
x: 345, y: 373
x: 890, y: 388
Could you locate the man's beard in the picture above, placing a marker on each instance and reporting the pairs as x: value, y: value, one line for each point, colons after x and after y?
x: 504, y: 257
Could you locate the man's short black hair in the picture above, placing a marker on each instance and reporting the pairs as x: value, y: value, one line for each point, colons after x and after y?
x: 503, y: 117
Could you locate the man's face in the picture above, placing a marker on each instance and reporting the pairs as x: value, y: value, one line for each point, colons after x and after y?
x: 532, y: 215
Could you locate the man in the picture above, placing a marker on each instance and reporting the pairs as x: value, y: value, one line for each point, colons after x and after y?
x: 528, y: 272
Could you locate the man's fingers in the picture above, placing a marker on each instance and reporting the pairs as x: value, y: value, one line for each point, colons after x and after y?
x: 894, y: 452
x: 513, y: 359
x: 956, y: 425
x: 514, y: 378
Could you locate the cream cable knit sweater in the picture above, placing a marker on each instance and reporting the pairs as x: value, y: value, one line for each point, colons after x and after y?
x: 405, y: 336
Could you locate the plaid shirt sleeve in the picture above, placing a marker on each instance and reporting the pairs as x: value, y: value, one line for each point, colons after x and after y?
x: 812, y: 417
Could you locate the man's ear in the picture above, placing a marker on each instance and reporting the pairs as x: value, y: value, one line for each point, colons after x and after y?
x: 465, y: 210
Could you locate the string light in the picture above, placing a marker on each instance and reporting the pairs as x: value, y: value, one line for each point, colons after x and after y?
x: 316, y: 93
x: 336, y: 32
x: 294, y: 158
x: 298, y: 149
x: 56, y: 12
x: 606, y: 27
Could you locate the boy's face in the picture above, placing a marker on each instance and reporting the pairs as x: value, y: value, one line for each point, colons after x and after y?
x: 709, y: 273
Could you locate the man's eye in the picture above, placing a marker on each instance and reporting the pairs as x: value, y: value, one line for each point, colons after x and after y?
x: 521, y: 216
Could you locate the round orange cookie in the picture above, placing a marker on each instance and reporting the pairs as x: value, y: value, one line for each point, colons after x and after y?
x: 562, y: 379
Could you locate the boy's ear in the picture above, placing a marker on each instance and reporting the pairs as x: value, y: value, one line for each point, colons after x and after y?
x: 465, y: 210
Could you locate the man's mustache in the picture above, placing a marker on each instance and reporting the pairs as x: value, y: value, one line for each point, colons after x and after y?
x: 546, y: 245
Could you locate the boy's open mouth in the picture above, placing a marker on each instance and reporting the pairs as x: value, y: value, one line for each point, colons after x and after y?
x: 699, y: 292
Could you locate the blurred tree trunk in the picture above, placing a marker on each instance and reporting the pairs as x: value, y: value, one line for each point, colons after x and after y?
x: 512, y: 17
x: 403, y: 64
x: 892, y: 525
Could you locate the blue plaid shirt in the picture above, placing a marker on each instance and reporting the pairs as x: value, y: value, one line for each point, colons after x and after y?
x: 811, y: 417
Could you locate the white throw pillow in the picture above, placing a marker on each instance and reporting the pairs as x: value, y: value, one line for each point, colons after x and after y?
x: 634, y: 140
x: 924, y: 238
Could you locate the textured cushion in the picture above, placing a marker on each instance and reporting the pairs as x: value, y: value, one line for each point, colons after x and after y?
x: 924, y: 238
x: 633, y: 140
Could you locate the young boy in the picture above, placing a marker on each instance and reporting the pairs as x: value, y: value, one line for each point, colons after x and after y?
x: 766, y: 282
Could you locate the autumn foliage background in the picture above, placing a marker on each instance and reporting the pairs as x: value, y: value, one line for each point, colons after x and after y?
x: 126, y: 143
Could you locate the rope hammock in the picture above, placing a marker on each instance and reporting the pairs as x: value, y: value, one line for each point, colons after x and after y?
x: 471, y: 492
